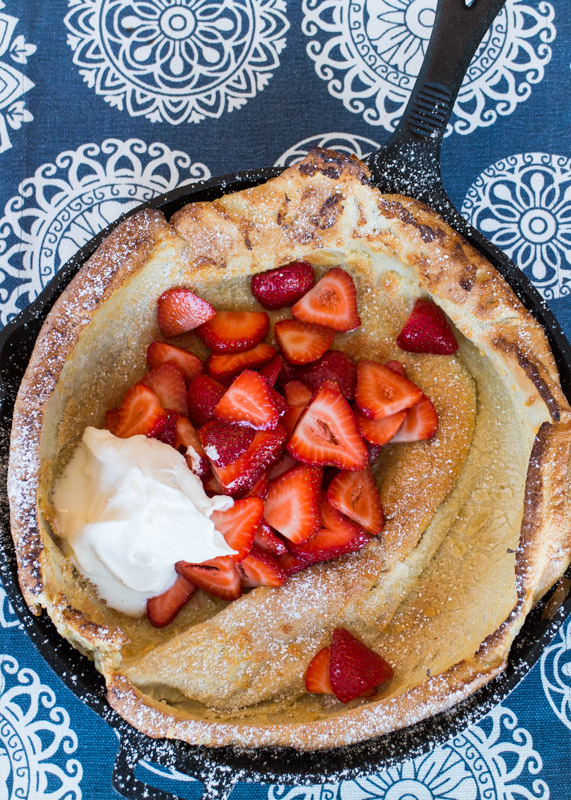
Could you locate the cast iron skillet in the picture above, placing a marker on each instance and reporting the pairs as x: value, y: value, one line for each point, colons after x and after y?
x: 409, y: 164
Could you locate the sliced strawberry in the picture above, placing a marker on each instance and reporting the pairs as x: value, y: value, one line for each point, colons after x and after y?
x: 162, y: 353
x: 272, y: 369
x: 224, y: 443
x: 219, y: 577
x: 317, y: 680
x: 300, y: 342
x: 139, y: 412
x: 331, y: 302
x: 238, y: 524
x: 212, y: 485
x: 297, y: 394
x: 279, y: 402
x: 260, y: 488
x: 290, y: 419
x: 355, y: 670
x: 288, y: 373
x: 380, y: 431
x: 168, y: 382
x: 226, y: 367
x: 334, y: 520
x: 266, y: 539
x: 248, y: 402
x: 356, y: 495
x: 186, y: 437
x: 396, y: 366
x: 165, y: 429
x: 329, y: 544
x: 420, y: 423
x: 111, y: 419
x: 281, y: 465
x: 381, y: 391
x: 327, y: 433
x: 333, y: 366
x: 374, y: 452
x: 291, y: 564
x: 161, y: 610
x: 259, y: 568
x: 238, y: 477
x: 292, y: 507
x: 427, y: 331
x: 179, y: 310
x: 202, y: 397
x: 234, y: 331
x: 281, y: 287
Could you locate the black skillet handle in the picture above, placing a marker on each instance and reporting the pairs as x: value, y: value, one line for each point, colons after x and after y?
x: 459, y: 27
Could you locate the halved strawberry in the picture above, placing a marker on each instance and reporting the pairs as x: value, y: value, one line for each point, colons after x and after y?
x: 266, y: 539
x: 334, y: 520
x: 238, y: 477
x: 281, y: 465
x: 396, y: 366
x: 327, y: 433
x: 168, y: 382
x: 354, y: 669
x: 356, y: 495
x: 331, y: 302
x: 329, y: 544
x: 281, y: 287
x: 111, y: 419
x: 234, y: 331
x: 219, y: 576
x: 139, y: 412
x: 292, y: 506
x: 165, y: 429
x: 238, y: 524
x: 259, y: 568
x: 202, y: 397
x: 420, y: 423
x: 380, y: 431
x: 226, y: 367
x: 290, y: 419
x: 317, y: 680
x: 162, y: 609
x: 179, y: 310
x: 333, y: 366
x: 272, y: 369
x: 224, y: 443
x: 186, y: 437
x: 162, y: 353
x: 427, y: 331
x: 248, y: 402
x: 297, y: 394
x: 291, y: 564
x: 381, y: 391
x: 260, y: 488
x: 300, y: 342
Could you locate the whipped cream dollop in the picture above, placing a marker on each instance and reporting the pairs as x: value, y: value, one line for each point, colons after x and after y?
x: 129, y: 510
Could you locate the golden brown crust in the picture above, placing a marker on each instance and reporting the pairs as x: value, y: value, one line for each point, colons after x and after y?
x: 323, y: 207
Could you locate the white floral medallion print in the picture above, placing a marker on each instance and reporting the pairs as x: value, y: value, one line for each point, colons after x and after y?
x: 67, y: 202
x: 35, y: 739
x: 556, y: 674
x: 370, y: 52
x: 14, y: 50
x: 8, y: 618
x: 494, y: 760
x: 177, y: 60
x: 523, y: 205
x: 342, y: 142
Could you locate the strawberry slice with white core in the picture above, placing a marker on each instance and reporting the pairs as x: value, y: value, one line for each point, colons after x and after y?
x: 248, y: 402
x: 334, y: 520
x: 219, y: 576
x: 238, y: 524
x: 259, y: 568
x: 266, y: 539
x: 328, y: 544
x: 224, y: 443
x: 297, y: 394
x: 281, y: 287
x: 162, y: 353
x: 381, y: 391
x: 161, y: 610
x: 421, y: 422
x: 427, y: 331
x: 317, y: 680
x: 333, y: 366
x: 332, y: 302
x: 179, y: 310
x: 380, y: 431
x: 356, y: 495
x: 234, y: 331
x: 292, y: 506
x: 168, y: 382
x: 300, y: 342
x: 290, y: 419
x: 226, y: 367
x: 139, y: 412
x: 202, y: 397
x: 354, y: 669
x: 327, y: 433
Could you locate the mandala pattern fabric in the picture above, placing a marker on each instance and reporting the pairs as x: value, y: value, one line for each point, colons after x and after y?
x: 105, y: 103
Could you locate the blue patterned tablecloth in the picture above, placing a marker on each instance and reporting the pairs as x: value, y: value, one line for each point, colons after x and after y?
x: 104, y: 103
